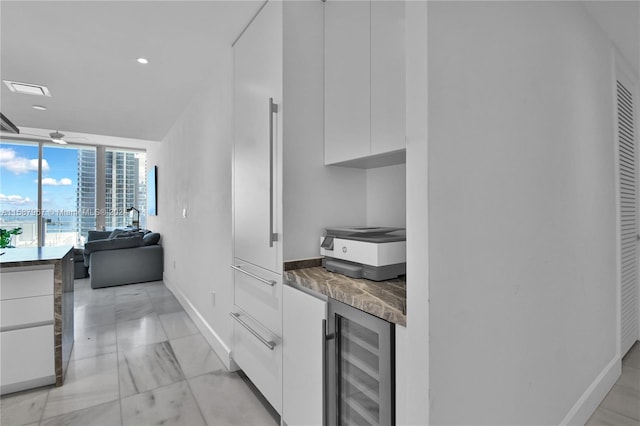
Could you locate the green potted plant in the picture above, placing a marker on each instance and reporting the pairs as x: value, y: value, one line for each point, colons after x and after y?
x: 6, y: 234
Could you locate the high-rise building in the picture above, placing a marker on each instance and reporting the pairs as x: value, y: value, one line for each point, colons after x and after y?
x: 86, y: 194
x: 125, y: 187
x: 121, y: 186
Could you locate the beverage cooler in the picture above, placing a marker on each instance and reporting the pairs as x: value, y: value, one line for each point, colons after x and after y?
x: 360, y: 368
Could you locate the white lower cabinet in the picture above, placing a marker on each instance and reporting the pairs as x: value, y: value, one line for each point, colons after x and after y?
x: 258, y: 292
x: 26, y: 312
x: 27, y: 358
x: 303, y: 349
x: 27, y: 354
x: 259, y: 353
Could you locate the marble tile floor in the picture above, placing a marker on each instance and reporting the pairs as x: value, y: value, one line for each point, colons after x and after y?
x: 139, y: 360
x: 621, y: 406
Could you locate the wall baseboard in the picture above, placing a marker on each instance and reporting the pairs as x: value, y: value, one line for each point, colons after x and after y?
x: 587, y: 404
x: 210, y: 335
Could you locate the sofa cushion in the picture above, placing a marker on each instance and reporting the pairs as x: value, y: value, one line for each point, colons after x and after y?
x: 98, y: 235
x: 151, y: 239
x: 111, y: 244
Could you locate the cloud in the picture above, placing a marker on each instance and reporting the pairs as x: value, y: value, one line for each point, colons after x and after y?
x: 14, y: 200
x: 18, y: 165
x: 54, y: 182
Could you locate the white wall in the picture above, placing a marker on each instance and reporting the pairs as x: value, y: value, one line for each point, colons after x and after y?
x: 194, y: 173
x: 412, y: 342
x: 522, y: 219
x: 386, y: 196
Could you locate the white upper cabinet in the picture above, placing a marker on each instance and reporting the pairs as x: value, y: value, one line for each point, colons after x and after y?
x: 364, y: 83
x: 257, y: 126
x: 347, y: 81
x: 387, y: 77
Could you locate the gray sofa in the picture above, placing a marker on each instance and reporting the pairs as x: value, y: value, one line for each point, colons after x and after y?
x: 132, y: 257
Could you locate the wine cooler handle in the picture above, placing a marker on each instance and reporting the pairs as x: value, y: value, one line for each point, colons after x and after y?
x: 324, y: 372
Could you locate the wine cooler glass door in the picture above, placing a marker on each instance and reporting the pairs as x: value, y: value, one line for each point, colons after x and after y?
x: 364, y: 371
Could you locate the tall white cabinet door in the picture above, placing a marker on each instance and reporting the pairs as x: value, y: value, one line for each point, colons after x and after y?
x: 302, y: 352
x: 347, y: 80
x: 628, y: 192
x: 387, y: 76
x: 257, y: 134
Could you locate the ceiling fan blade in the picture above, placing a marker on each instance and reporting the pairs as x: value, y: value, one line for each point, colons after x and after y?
x: 58, y: 137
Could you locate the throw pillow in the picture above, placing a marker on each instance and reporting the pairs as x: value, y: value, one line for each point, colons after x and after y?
x: 151, y: 239
x: 115, y: 233
x: 128, y: 234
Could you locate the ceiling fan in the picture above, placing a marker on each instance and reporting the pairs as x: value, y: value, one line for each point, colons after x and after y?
x: 6, y: 126
x: 59, y: 138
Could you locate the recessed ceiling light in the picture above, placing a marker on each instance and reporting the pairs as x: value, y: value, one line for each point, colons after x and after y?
x: 27, y: 88
x: 40, y: 107
x: 143, y: 60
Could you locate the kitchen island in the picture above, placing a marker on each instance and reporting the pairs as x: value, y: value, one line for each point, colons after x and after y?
x: 384, y: 299
x: 36, y: 322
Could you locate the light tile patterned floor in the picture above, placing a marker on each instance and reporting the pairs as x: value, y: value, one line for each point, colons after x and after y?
x: 138, y: 359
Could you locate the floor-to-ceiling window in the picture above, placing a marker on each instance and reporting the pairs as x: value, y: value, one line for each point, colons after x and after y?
x: 68, y: 194
x: 68, y: 207
x: 125, y: 187
x: 19, y: 191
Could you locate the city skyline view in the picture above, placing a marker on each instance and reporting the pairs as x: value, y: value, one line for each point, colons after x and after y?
x: 19, y: 175
x: 69, y: 184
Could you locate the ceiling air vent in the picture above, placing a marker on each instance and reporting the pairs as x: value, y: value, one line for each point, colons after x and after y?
x: 7, y: 126
x: 27, y: 88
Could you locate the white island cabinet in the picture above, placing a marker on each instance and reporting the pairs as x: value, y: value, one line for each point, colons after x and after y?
x: 26, y: 336
x: 36, y: 317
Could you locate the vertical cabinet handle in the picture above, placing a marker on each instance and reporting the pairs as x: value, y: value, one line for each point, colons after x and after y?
x: 273, y: 109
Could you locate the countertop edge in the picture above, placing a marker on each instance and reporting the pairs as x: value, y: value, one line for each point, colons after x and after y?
x: 325, y: 291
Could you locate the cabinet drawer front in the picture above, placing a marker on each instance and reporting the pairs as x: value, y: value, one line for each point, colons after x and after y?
x: 261, y: 364
x: 259, y: 293
x: 26, y: 355
x: 18, y: 313
x: 36, y: 282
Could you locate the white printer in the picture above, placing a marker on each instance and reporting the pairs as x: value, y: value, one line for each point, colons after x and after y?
x: 374, y: 253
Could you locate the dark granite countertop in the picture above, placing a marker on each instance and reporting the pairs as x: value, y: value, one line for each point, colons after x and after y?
x: 28, y: 256
x: 384, y: 299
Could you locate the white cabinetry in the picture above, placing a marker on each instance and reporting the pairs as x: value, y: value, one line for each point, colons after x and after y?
x: 281, y: 186
x: 257, y: 201
x: 303, y: 363
x: 27, y: 354
x: 364, y: 83
x: 257, y: 92
x: 347, y: 79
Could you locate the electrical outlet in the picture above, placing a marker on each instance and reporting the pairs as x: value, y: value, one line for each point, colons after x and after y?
x: 213, y: 298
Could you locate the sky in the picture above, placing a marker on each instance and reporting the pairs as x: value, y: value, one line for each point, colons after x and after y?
x: 19, y: 174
